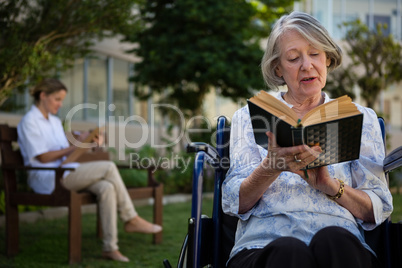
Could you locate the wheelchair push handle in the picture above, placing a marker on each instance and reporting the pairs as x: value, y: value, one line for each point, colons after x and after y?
x: 196, y: 147
x: 393, y: 160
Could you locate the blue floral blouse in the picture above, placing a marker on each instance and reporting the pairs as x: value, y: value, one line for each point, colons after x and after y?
x: 291, y: 207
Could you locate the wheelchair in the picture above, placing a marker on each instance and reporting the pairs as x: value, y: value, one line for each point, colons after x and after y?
x: 210, y: 239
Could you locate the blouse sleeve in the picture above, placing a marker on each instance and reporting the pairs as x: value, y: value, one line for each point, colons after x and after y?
x: 244, y: 158
x: 30, y: 137
x: 367, y: 172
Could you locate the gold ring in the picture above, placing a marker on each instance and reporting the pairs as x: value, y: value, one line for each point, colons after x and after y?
x: 297, y: 160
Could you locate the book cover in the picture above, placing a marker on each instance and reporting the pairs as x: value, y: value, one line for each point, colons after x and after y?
x: 339, y: 139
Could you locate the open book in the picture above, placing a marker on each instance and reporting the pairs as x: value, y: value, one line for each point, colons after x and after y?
x: 81, y: 150
x: 335, y: 126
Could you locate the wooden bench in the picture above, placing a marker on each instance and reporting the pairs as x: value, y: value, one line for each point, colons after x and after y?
x: 12, y: 165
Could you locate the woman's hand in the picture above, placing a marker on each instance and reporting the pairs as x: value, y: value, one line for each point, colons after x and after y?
x: 81, y: 135
x: 280, y: 159
x: 99, y: 139
x: 295, y: 158
x: 277, y: 160
x: 291, y: 159
x: 319, y: 179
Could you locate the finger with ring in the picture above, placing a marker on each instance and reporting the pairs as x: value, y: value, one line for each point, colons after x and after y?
x: 296, y: 159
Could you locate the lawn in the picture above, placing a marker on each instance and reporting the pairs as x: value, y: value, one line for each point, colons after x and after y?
x: 44, y: 243
x: 397, y: 213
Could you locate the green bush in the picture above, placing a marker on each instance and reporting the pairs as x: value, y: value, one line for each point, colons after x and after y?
x: 175, y: 174
x: 179, y: 179
x: 395, y: 179
x: 134, y: 178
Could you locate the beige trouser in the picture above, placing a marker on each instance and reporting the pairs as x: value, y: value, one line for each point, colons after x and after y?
x: 103, y: 179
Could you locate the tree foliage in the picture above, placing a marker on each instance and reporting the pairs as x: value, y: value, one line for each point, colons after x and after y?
x: 38, y: 36
x: 190, y: 46
x: 376, y: 59
x: 341, y: 82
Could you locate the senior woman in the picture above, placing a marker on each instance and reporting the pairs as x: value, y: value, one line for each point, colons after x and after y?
x: 288, y: 219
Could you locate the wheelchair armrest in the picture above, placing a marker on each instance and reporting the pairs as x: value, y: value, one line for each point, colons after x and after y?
x: 202, y: 146
x: 393, y: 160
x: 211, y: 153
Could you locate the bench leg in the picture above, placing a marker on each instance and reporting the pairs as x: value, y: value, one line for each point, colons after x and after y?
x: 158, y: 211
x: 12, y: 230
x: 74, y: 230
x: 98, y: 222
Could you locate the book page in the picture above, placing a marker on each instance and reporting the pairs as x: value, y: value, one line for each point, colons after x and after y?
x: 335, y: 109
x: 80, y: 150
x: 338, y: 108
x: 275, y: 107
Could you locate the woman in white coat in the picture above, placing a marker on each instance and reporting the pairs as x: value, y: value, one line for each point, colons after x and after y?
x: 43, y: 143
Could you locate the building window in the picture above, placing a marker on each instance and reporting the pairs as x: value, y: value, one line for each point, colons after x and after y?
x: 382, y: 19
x: 19, y: 102
x: 98, y: 80
x: 331, y: 13
x: 120, y: 86
x: 72, y: 79
x: 97, y: 84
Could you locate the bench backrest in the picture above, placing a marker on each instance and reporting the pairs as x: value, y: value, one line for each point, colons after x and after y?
x: 10, y: 154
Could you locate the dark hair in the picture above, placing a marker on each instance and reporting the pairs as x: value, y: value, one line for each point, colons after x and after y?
x: 48, y: 86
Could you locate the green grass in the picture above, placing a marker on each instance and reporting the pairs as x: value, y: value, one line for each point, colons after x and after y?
x: 44, y: 243
x: 397, y: 213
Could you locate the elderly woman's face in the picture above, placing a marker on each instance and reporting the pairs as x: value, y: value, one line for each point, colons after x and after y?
x: 303, y: 67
